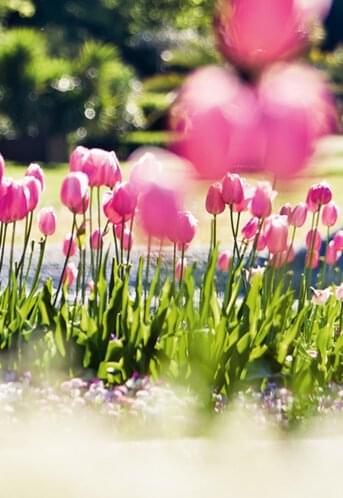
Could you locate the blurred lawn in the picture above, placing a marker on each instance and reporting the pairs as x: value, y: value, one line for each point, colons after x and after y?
x: 328, y: 166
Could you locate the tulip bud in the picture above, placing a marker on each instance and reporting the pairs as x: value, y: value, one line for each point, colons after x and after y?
x: 74, y: 192
x: 214, y: 200
x: 286, y: 210
x: 185, y: 227
x: 338, y: 240
x: 96, y: 240
x: 124, y: 201
x: 298, y: 216
x: 313, y: 240
x: 331, y: 254
x: 70, y: 274
x: 250, y: 229
x: 261, y: 203
x: 276, y: 233
x: 232, y: 189
x: 34, y: 188
x: 47, y: 221
x: 330, y: 214
x: 224, y: 261
x: 69, y: 242
x: 36, y: 171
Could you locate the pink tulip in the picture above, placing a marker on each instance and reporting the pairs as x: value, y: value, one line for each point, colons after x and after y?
x: 109, y: 211
x: 100, y: 166
x: 318, y: 195
x: 279, y: 259
x: 74, y: 192
x: 330, y: 214
x: 313, y: 239
x: 147, y: 170
x: 180, y: 269
x: 69, y: 242
x: 250, y: 229
x: 256, y: 33
x: 298, y: 215
x: 248, y: 194
x: 77, y: 158
x: 261, y: 243
x: 296, y: 110
x: 47, y: 221
x: 286, y: 210
x: 2, y: 167
x: 214, y: 200
x: 34, y: 188
x: 276, y: 233
x: 320, y: 297
x: 217, y: 120
x: 261, y: 203
x: 70, y: 274
x: 96, y: 240
x: 14, y: 201
x: 312, y: 259
x: 224, y: 261
x: 127, y: 240
x: 232, y: 189
x: 159, y: 210
x: 36, y: 171
x: 123, y: 201
x: 184, y: 229
x: 331, y: 255
x: 338, y: 240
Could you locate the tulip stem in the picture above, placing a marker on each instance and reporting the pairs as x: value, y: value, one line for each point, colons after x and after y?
x: 174, y: 264
x: 91, y: 231
x: 234, y: 233
x: 11, y: 253
x: 115, y: 243
x: 147, y: 271
x: 66, y: 260
x: 3, y: 247
x: 98, y: 253
x: 39, y: 265
x: 341, y: 318
x: 214, y: 231
x: 130, y: 240
x: 28, y: 228
x: 182, y: 264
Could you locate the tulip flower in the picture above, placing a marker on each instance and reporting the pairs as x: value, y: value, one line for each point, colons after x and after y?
x: 312, y: 259
x: 261, y: 243
x: 100, y: 166
x: 214, y: 200
x: 185, y: 228
x: 96, y: 240
x: 2, y: 167
x: 330, y: 214
x: 74, y: 191
x: 250, y: 229
x: 123, y: 201
x: 286, y: 210
x: 224, y: 261
x: 14, y: 201
x: 127, y: 239
x: 110, y: 213
x: 318, y: 195
x: 320, y: 297
x: 261, y: 203
x: 36, y: 171
x: 47, y: 221
x: 276, y: 234
x: 331, y: 255
x: 339, y: 292
x: 69, y: 244
x: 34, y: 188
x: 256, y: 33
x: 158, y: 208
x: 248, y: 194
x: 232, y: 189
x: 313, y: 239
x: 338, y: 240
x: 298, y: 216
x: 70, y: 274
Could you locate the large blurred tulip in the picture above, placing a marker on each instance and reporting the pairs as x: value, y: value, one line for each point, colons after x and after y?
x: 158, y: 209
x: 255, y: 33
x: 74, y: 192
x: 218, y: 122
x: 145, y: 171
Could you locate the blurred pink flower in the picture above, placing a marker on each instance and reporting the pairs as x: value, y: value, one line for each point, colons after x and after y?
x: 69, y: 242
x: 320, y: 297
x: 331, y: 255
x: 122, y: 202
x: 70, y: 274
x: 224, y: 261
x: 146, y: 170
x: 312, y: 259
x: 313, y: 239
x: 47, y: 221
x: 338, y: 240
x: 232, y: 189
x: 339, y: 292
x: 276, y: 233
x: 330, y: 214
x: 96, y: 240
x: 298, y: 215
x: 249, y: 230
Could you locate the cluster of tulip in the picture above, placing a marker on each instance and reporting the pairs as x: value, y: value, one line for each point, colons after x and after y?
x: 270, y: 114
x: 274, y: 233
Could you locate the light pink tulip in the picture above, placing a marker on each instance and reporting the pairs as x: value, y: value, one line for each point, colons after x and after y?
x: 261, y: 203
x: 217, y: 120
x: 298, y: 215
x: 313, y: 239
x: 224, y: 261
x: 100, y: 166
x: 330, y: 214
x: 331, y: 255
x: 74, y: 192
x: 320, y: 297
x: 312, y: 259
x: 214, y: 200
x: 36, y: 171
x: 34, y: 188
x: 250, y: 229
x: 159, y: 210
x: 339, y: 292
x: 256, y: 33
x: 69, y: 244
x: 232, y: 189
x: 96, y: 240
x: 47, y: 221
x: 338, y: 240
x: 70, y: 274
x: 276, y: 234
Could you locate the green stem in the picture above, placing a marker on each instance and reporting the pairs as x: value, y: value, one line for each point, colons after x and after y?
x: 65, y: 261
x: 182, y: 264
x: 214, y: 231
x: 91, y: 230
x: 39, y: 265
x: 11, y: 253
x: 129, y: 248
x: 3, y: 247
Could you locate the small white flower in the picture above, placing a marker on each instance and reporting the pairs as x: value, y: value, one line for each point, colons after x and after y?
x: 320, y: 296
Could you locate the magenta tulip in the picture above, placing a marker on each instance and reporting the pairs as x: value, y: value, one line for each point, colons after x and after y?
x: 338, y: 240
x: 331, y: 255
x: 47, y: 221
x: 74, y: 192
x: 36, y: 171
x: 96, y: 240
x: 34, y: 188
x: 298, y: 215
x: 184, y: 230
x: 276, y: 233
x: 14, y: 201
x: 214, y: 200
x: 232, y: 189
x: 286, y: 210
x: 330, y: 214
x: 69, y: 244
x: 123, y: 201
x: 318, y: 195
x: 224, y: 261
x: 261, y: 203
x: 2, y: 167
x: 100, y: 166
x: 250, y: 228
x: 313, y: 239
